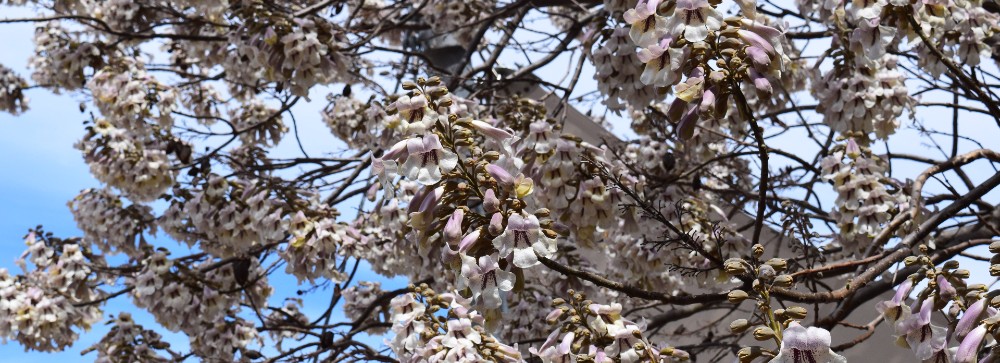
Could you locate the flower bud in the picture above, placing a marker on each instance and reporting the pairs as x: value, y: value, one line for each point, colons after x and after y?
x: 737, y: 296
x: 951, y: 264
x: 748, y: 354
x: 490, y: 202
x: 995, y: 247
x: 779, y: 264
x: 501, y: 175
x: 785, y: 281
x: 763, y: 333
x: 945, y: 290
x: 438, y: 92
x: 739, y: 326
x: 976, y: 287
x: 453, y: 228
x: 758, y: 250
x: 490, y: 131
x: 735, y: 266
x: 853, y: 150
x: 995, y: 270
x: 766, y: 273
x: 554, y: 315
x: 796, y: 312
x: 780, y: 314
x: 970, y: 318
x: 910, y: 260
x: 469, y: 240
x: 759, y: 57
x: 496, y: 224
x: 968, y: 350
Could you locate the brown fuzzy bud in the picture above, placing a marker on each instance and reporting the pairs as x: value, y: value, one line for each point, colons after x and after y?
x: 784, y: 281
x: 763, y: 333
x: 739, y: 326
x: 779, y: 264
x: 796, y: 312
x: 737, y: 296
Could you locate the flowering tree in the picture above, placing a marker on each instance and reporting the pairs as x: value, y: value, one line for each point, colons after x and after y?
x: 523, y: 241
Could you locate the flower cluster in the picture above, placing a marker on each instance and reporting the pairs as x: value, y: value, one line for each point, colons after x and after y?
x: 42, y: 309
x: 257, y: 124
x: 314, y: 247
x: 61, y: 57
x: 461, y: 337
x: 969, y: 308
x: 675, y: 42
x: 595, y: 332
x: 865, y: 202
x: 296, y: 53
x: 12, y: 98
x: 202, y: 308
x: 360, y: 304
x: 226, y: 217
x: 109, y: 224
x: 867, y: 100
x: 346, y: 117
x: 617, y: 71
x: 129, y: 342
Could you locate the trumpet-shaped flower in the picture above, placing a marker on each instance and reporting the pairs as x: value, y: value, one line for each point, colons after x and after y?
x: 801, y: 344
x: 427, y: 159
x: 894, y: 310
x: 923, y: 337
x: 523, y: 237
x: 694, y: 19
x: 647, y: 27
x: 485, y: 278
